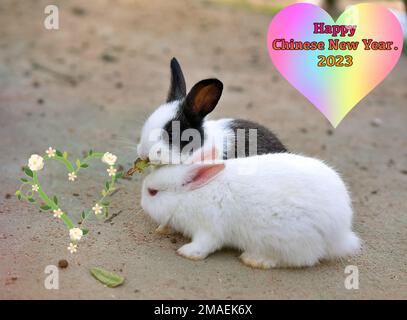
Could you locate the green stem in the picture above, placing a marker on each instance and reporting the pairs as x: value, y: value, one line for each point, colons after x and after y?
x: 109, y: 191
x: 68, y: 222
x: 66, y: 162
x: 95, y: 155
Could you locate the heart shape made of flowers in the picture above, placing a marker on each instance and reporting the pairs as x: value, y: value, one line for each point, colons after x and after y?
x: 101, y: 207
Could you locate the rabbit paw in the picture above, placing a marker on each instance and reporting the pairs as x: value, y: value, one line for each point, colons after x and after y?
x: 164, y: 229
x: 192, y: 251
x: 257, y: 261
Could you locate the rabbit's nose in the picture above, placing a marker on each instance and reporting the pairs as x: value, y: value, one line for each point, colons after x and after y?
x: 142, y: 155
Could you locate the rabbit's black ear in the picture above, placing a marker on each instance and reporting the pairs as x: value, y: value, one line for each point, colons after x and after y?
x: 203, y: 98
x: 177, y: 87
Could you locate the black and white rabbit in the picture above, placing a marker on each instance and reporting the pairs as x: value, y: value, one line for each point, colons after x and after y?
x: 179, y: 127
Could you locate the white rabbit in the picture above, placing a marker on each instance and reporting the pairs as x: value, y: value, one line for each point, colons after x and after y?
x: 180, y: 126
x: 291, y: 211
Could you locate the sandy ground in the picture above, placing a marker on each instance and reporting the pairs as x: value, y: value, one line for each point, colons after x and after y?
x: 91, y: 84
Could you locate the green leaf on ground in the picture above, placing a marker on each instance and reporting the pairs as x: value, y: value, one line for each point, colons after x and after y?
x: 107, y: 277
x: 58, y: 153
x: 45, y: 207
x: 84, y: 165
x: 55, y: 200
x: 65, y: 155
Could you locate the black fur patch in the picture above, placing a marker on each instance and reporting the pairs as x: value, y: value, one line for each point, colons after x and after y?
x: 185, y: 123
x: 267, y: 141
x: 177, y: 89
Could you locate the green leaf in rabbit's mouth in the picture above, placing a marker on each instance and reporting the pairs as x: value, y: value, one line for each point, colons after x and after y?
x: 138, y: 166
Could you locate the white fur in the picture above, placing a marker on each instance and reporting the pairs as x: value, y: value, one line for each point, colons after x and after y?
x: 156, y: 120
x: 219, y: 135
x: 217, y: 132
x: 291, y: 211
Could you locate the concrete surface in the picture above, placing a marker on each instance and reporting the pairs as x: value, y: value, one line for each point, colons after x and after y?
x: 91, y: 84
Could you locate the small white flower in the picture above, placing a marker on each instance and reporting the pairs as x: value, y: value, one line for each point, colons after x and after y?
x: 97, y: 208
x: 72, y: 248
x: 50, y: 152
x: 72, y: 176
x: 58, y: 213
x: 35, y: 187
x: 109, y: 158
x: 112, y: 171
x: 36, y: 162
x: 75, y: 234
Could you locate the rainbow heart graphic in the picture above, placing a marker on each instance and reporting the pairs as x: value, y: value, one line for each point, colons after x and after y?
x: 335, y: 64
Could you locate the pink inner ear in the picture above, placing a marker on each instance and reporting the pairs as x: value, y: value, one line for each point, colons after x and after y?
x: 204, y: 174
x: 206, y: 155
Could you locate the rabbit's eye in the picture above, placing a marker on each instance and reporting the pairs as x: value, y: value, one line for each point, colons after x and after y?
x: 152, y: 192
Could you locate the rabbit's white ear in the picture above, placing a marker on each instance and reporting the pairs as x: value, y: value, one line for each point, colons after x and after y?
x: 201, y: 174
x: 207, y: 155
